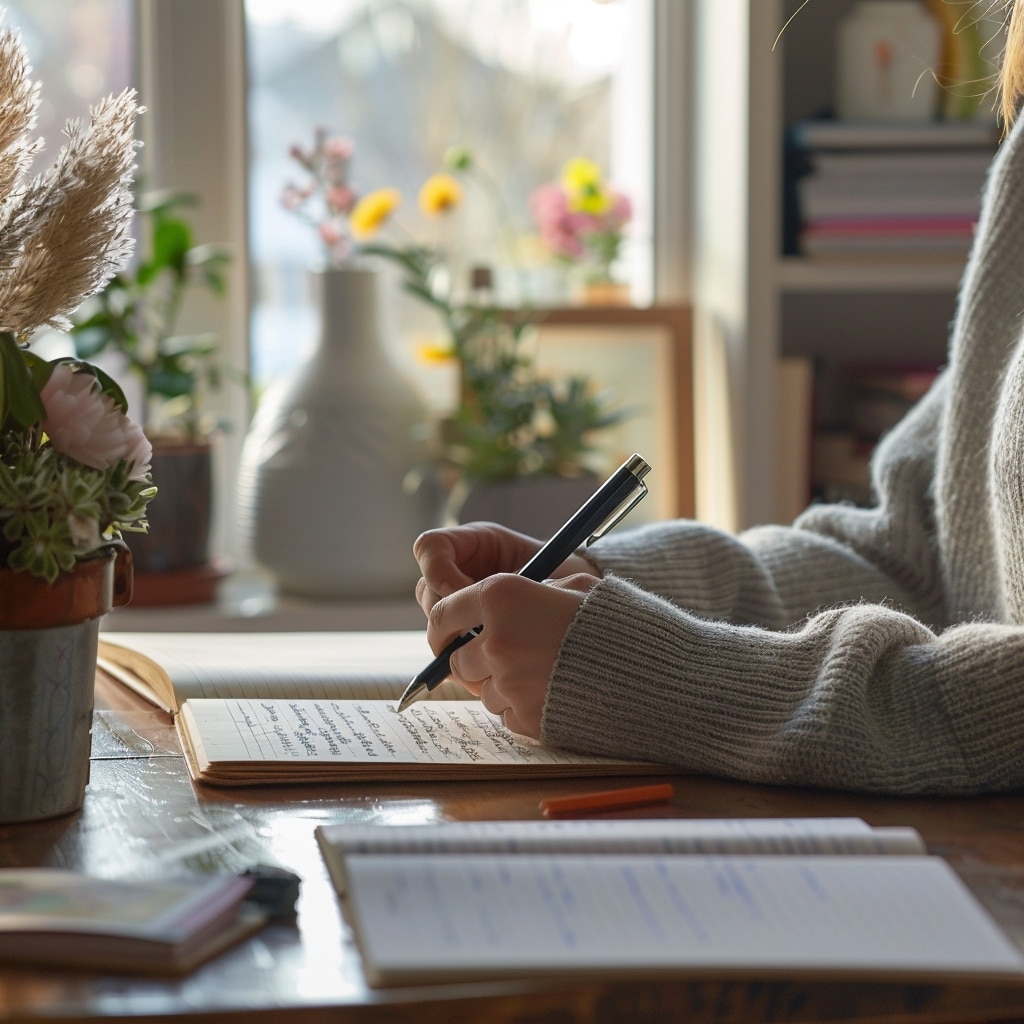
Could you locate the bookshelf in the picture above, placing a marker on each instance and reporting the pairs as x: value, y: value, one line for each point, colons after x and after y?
x: 757, y: 308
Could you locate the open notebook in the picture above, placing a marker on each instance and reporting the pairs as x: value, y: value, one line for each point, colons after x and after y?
x: 258, y: 741
x: 833, y: 900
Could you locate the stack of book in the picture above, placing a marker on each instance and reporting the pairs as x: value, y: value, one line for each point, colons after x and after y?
x: 889, y: 189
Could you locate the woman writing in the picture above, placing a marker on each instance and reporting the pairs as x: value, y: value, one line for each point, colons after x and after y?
x: 875, y: 649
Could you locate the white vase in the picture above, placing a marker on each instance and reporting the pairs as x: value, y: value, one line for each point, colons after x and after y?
x: 325, y: 500
x: 886, y: 55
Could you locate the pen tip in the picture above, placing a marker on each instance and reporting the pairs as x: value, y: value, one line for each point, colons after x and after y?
x: 407, y: 698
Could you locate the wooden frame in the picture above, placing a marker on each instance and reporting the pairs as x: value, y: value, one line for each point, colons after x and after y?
x: 661, y: 337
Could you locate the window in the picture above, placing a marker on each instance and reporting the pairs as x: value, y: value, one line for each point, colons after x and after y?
x: 80, y: 51
x: 524, y: 84
x: 196, y: 140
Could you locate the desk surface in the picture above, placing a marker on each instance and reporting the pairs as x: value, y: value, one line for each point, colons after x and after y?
x: 143, y: 818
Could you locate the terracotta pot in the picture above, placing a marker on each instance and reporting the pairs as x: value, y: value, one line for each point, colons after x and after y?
x: 48, y: 640
x: 603, y: 293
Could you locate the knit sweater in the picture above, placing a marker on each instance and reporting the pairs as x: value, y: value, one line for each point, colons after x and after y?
x: 875, y: 649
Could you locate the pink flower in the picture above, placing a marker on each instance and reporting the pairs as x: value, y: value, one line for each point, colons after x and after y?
x: 338, y: 149
x: 579, y: 235
x: 340, y: 198
x: 86, y: 425
x: 560, y: 230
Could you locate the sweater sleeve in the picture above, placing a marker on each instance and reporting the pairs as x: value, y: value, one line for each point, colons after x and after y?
x: 804, y: 655
x: 774, y: 576
x: 862, y: 697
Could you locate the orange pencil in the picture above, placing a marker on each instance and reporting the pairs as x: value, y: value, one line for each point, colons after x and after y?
x: 608, y: 800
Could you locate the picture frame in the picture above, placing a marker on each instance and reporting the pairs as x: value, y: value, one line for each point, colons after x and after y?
x: 641, y: 357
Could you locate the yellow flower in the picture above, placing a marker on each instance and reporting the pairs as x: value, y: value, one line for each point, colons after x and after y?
x: 372, y: 211
x: 433, y: 353
x: 440, y: 193
x: 584, y: 189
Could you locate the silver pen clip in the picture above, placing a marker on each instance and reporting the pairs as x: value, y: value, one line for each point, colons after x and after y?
x: 619, y: 514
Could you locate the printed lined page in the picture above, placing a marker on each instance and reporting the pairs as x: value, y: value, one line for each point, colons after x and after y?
x: 439, y: 917
x: 243, y: 741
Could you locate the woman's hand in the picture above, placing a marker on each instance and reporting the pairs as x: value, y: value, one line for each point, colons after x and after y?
x: 468, y: 581
x: 453, y: 558
x: 508, y: 666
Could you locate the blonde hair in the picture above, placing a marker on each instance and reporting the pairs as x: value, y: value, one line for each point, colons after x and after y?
x: 1011, y: 79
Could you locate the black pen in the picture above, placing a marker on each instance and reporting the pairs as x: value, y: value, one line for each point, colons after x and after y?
x: 598, y: 514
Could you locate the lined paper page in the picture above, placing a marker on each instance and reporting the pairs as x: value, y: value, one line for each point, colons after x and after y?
x: 494, y: 915
x: 368, y: 737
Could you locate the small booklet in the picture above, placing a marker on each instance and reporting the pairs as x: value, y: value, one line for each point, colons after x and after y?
x: 169, y: 668
x: 244, y: 742
x: 578, y: 898
x: 62, y: 919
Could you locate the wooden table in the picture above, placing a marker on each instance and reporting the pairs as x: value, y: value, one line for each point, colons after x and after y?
x: 143, y: 818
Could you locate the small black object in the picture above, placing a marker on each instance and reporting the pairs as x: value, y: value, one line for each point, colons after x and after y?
x: 275, y: 891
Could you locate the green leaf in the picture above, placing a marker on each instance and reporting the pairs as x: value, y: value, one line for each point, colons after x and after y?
x: 91, y: 339
x: 172, y: 239
x: 19, y: 394
x: 171, y: 383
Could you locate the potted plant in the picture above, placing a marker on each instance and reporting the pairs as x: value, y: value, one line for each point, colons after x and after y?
x: 513, y: 432
x: 520, y: 445
x: 74, y: 469
x: 133, y: 322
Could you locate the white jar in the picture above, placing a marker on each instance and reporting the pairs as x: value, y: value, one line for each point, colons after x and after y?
x: 887, y: 52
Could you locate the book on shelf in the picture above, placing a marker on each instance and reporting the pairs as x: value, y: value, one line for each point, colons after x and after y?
x: 872, y: 399
x: 259, y: 741
x: 168, y: 668
x: 58, y: 918
x: 828, y: 898
x: 842, y: 467
x: 899, y: 239
x: 945, y: 171
x: 794, y: 428
x: 878, y: 397
x: 820, y: 202
x: 828, y: 133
